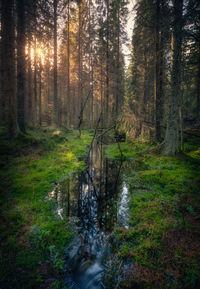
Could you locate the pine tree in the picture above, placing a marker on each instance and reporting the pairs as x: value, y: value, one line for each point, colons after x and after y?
x: 21, y: 64
x: 8, y: 67
x: 171, y: 145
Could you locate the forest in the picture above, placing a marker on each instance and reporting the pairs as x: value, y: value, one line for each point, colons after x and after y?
x: 99, y: 144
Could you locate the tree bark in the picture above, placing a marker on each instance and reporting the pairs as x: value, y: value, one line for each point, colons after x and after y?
x: 80, y: 88
x: 157, y: 96
x: 56, y: 112
x: 21, y: 63
x: 8, y: 67
x: 35, y: 67
x: 30, y: 96
x: 198, y: 84
x: 35, y: 84
x: 118, y: 67
x: 68, y: 109
x: 40, y: 91
x: 171, y: 144
x: 107, y: 62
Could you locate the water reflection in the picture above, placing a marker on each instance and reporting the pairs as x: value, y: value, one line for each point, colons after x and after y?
x: 123, y: 216
x: 97, y: 198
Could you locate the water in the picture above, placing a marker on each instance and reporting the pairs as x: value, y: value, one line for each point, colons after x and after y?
x: 123, y: 216
x: 93, y: 201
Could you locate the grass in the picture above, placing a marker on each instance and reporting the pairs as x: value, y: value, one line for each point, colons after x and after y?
x: 163, y: 237
x: 32, y: 237
x: 161, y: 245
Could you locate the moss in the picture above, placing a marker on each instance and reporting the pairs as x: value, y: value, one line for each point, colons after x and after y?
x: 32, y: 235
x: 163, y: 233
x: 126, y: 150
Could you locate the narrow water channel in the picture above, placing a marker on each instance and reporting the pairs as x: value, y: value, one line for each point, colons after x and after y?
x: 94, y: 201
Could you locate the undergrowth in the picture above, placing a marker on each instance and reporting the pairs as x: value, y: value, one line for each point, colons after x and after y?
x: 163, y: 237
x: 32, y: 237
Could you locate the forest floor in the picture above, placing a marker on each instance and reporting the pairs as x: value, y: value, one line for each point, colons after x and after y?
x: 163, y: 238
x: 32, y: 239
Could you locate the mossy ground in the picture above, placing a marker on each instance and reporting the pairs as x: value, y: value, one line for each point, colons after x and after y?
x: 32, y: 237
x: 163, y: 239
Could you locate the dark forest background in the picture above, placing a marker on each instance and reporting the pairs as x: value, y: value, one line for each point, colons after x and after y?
x: 62, y: 64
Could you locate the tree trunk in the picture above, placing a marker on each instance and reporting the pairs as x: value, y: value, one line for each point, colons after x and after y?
x: 68, y: 109
x: 49, y: 108
x: 35, y: 67
x: 90, y: 69
x: 161, y: 91
x: 35, y: 84
x: 101, y: 89
x: 21, y: 62
x: 8, y: 66
x: 56, y: 113
x: 107, y: 63
x: 157, y: 96
x: 30, y: 100
x: 118, y: 68
x: 80, y: 88
x: 2, y: 65
x: 198, y: 84
x: 40, y: 92
x: 171, y: 145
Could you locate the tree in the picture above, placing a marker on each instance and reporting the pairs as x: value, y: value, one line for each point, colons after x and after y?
x: 8, y: 66
x: 56, y: 108
x: 21, y: 64
x: 191, y: 64
x: 171, y: 145
x: 142, y: 80
x: 157, y: 72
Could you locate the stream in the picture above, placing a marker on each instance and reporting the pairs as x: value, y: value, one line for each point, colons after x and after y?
x: 94, y: 201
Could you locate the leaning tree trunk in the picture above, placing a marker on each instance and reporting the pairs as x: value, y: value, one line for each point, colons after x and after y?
x: 171, y: 145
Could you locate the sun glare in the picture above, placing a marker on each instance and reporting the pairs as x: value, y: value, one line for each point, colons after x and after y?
x: 39, y: 53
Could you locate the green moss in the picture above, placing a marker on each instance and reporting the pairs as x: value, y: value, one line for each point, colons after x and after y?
x: 124, y: 250
x: 164, y: 208
x: 31, y: 234
x: 125, y: 150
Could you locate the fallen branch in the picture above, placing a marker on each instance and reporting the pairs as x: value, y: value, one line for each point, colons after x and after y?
x: 106, y: 131
x: 81, y: 112
x: 121, y: 153
x: 95, y: 132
